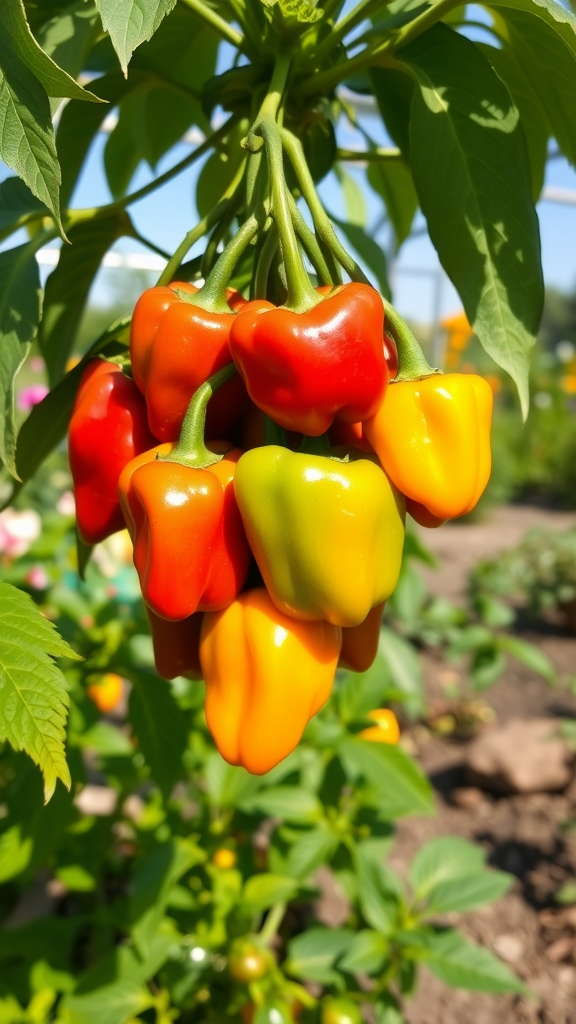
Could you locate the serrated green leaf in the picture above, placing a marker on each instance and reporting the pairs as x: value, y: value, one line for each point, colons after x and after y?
x: 160, y: 727
x: 68, y: 287
x: 262, y: 891
x: 461, y: 964
x: 443, y: 860
x: 396, y: 784
x: 26, y: 133
x: 56, y: 82
x: 311, y: 955
x: 20, y: 310
x: 33, y: 695
x: 468, y: 893
x: 470, y: 164
x: 131, y: 22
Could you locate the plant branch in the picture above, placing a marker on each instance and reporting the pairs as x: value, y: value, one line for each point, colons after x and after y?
x: 364, y: 155
x: 217, y: 22
x: 272, y: 923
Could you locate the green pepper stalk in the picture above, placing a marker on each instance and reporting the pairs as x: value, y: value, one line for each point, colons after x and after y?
x: 190, y: 449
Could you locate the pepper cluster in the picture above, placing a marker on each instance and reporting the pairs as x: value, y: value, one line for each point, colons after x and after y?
x: 266, y: 553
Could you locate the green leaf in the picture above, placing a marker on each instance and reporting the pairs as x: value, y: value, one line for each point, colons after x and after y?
x: 394, y: 91
x: 369, y: 251
x: 106, y: 740
x: 68, y: 36
x: 68, y: 286
x: 115, y: 990
x: 76, y: 878
x: 20, y: 310
x: 354, y: 201
x: 392, y: 181
x: 131, y: 22
x: 155, y: 877
x: 291, y: 803
x: 379, y: 889
x: 160, y: 727
x: 26, y: 132
x: 312, y: 954
x: 48, y: 422
x: 314, y: 848
x: 24, y: 46
x: 262, y: 891
x: 367, y: 953
x: 17, y: 202
x: 405, y: 669
x: 16, y: 849
x: 461, y: 964
x: 523, y: 90
x: 529, y: 655
x: 546, y: 12
x: 397, y: 784
x: 468, y: 893
x: 443, y: 860
x: 470, y: 165
x: 228, y: 786
x: 33, y: 696
x: 123, y: 152
x: 217, y: 174
x: 486, y: 666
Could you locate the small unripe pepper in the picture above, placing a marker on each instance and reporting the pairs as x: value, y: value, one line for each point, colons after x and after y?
x: 108, y: 428
x: 304, y: 369
x: 327, y: 532
x: 386, y: 729
x: 190, y: 549
x: 432, y: 433
x: 266, y: 676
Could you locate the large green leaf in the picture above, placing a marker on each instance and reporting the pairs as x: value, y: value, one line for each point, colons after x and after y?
x: 378, y: 888
x: 523, y: 89
x: 395, y: 781
x: 442, y: 860
x: 393, y: 91
x: 68, y: 37
x: 33, y: 695
x: 160, y: 728
x: 392, y: 180
x: 548, y: 12
x: 56, y: 81
x: 262, y: 891
x: 312, y: 954
x: 26, y: 132
x: 132, y: 22
x: 472, y: 174
x: 548, y: 64
x: 468, y: 893
x: 17, y: 203
x: 460, y: 964
x: 20, y: 309
x: 69, y: 284
x: 291, y: 803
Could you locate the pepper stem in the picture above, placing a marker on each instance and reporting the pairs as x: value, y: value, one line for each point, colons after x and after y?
x: 213, y: 294
x: 191, y: 449
x: 412, y: 363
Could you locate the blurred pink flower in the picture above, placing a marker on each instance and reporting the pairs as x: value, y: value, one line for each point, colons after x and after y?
x: 37, y: 364
x: 31, y: 396
x: 66, y: 504
x: 18, y: 531
x: 37, y: 577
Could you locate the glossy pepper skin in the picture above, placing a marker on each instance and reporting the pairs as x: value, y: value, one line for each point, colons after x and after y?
x: 327, y: 534
x: 174, y: 347
x: 433, y: 438
x: 306, y: 369
x: 176, y: 646
x: 108, y: 428
x: 266, y: 676
x: 190, y: 549
x: 360, y: 643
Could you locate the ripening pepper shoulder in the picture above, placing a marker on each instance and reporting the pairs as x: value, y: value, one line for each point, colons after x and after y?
x: 190, y: 549
x: 108, y: 428
x: 175, y: 346
x: 266, y: 676
x: 433, y: 438
x: 306, y: 369
x: 327, y: 533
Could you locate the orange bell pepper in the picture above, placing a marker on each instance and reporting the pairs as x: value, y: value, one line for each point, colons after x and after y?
x: 266, y: 676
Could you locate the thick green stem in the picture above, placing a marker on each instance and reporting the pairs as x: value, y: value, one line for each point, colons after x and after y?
x: 310, y: 243
x: 412, y: 363
x: 272, y: 922
x: 191, y: 448
x: 322, y: 223
x: 218, y: 23
x: 301, y: 295
x: 213, y: 294
x: 273, y: 97
x: 379, y: 153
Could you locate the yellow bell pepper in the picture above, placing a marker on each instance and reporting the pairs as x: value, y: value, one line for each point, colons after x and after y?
x: 266, y: 676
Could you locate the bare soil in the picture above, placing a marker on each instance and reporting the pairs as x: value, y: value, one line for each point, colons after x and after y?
x: 528, y: 835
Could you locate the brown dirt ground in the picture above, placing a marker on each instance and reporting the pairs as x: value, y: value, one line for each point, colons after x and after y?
x: 529, y: 836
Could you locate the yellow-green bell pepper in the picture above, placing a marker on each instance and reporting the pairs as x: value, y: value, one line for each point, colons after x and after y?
x: 326, y: 531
